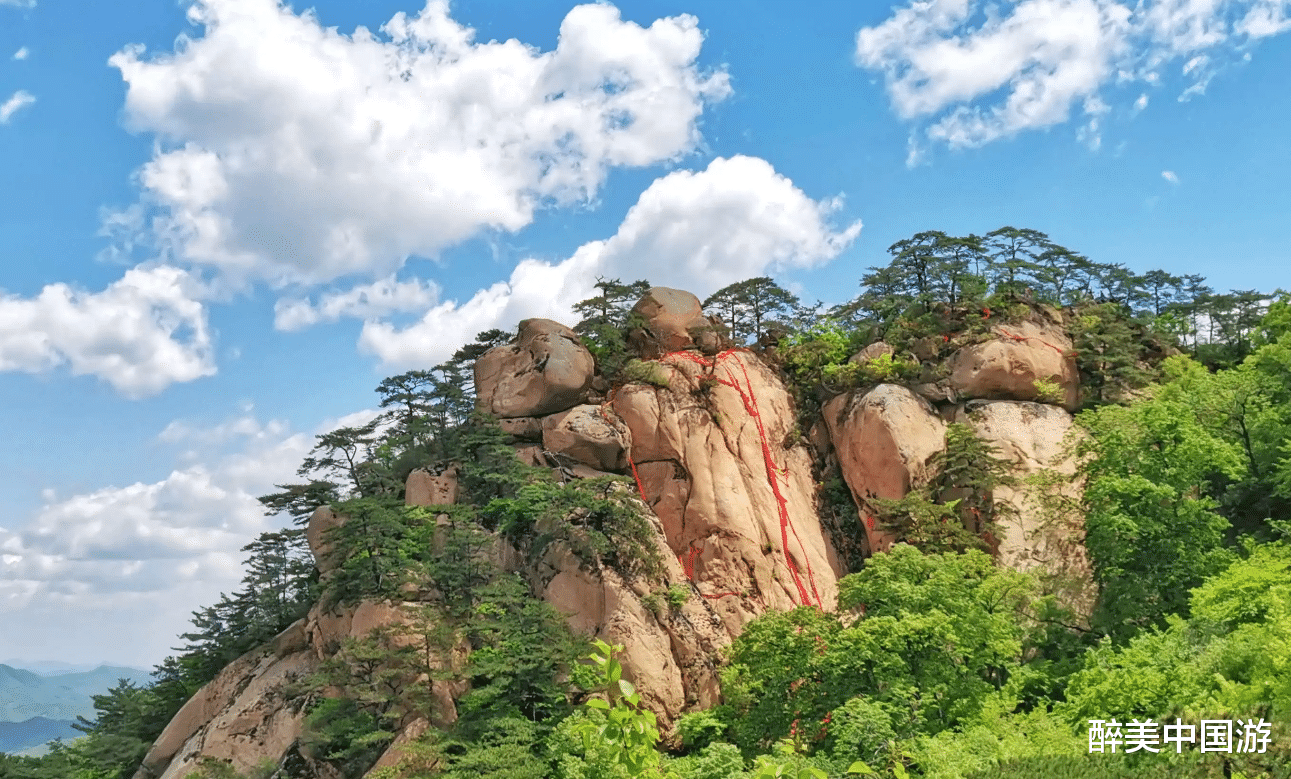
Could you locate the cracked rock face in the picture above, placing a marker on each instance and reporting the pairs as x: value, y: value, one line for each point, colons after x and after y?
x: 583, y: 435
x: 546, y: 370
x: 705, y: 472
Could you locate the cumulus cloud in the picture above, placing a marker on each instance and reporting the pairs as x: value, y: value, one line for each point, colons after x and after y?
x: 290, y: 152
x: 367, y: 301
x: 21, y: 54
x: 977, y: 72
x: 699, y: 231
x: 152, y: 552
x: 16, y: 102
x: 1170, y: 176
x: 142, y: 333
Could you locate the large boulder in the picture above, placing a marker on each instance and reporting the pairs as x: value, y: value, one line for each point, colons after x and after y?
x: 321, y: 523
x: 736, y: 504
x: 1008, y: 366
x: 546, y: 370
x: 672, y: 320
x: 1046, y: 534
x: 424, y: 488
x: 584, y: 435
x: 885, y: 440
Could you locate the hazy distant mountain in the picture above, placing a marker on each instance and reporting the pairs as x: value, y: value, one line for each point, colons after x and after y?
x: 24, y: 694
x: 23, y: 736
x: 55, y: 667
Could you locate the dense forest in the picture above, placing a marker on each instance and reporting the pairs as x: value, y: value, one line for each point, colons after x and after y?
x: 956, y: 667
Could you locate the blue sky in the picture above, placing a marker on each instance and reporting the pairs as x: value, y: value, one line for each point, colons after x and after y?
x: 224, y: 222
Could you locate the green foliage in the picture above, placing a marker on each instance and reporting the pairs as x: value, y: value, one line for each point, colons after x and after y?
x: 698, y: 729
x: 1151, y: 527
x: 746, y: 306
x: 598, y: 518
x: 604, y: 322
x: 620, y: 722
x: 1108, y: 348
x: 378, y: 546
x: 1047, y: 391
x: 939, y: 634
x: 347, y: 734
x: 645, y: 372
x: 677, y: 595
x: 956, y: 509
x: 210, y: 768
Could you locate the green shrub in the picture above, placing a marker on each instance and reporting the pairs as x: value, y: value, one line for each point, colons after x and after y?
x: 1047, y: 391
x: 645, y: 372
x: 677, y: 595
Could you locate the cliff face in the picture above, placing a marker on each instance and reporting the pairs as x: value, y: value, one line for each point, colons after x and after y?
x: 727, y: 483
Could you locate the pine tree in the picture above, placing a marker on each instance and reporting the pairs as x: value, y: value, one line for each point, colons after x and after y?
x: 1015, y: 257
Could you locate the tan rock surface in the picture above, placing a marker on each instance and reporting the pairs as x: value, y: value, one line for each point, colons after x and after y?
x: 424, y: 488
x: 546, y: 370
x: 240, y: 717
x: 1007, y: 367
x: 398, y: 750
x: 673, y: 320
x: 670, y: 653
x: 523, y: 428
x: 872, y: 352
x: 885, y: 440
x: 321, y: 522
x: 700, y: 457
x: 1032, y: 436
x: 583, y: 434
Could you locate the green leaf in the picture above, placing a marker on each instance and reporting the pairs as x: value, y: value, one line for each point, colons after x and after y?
x: 597, y: 703
x: 859, y: 767
x: 627, y: 688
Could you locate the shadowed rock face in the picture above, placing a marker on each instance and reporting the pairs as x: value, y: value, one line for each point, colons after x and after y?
x: 1008, y: 367
x: 546, y: 370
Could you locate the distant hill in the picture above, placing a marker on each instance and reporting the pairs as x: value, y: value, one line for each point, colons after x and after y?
x: 24, y: 695
x: 33, y: 733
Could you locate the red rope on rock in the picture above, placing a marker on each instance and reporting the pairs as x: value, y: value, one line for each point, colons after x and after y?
x: 1033, y: 338
x: 786, y: 525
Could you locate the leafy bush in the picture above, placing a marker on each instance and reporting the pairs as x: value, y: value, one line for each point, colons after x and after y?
x: 599, y: 520
x: 645, y: 372
x: 1047, y: 391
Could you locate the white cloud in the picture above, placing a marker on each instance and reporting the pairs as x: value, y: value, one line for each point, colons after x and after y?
x: 149, y: 554
x: 141, y: 334
x: 369, y: 301
x: 19, y: 3
x: 1265, y: 18
x: 19, y: 100
x: 293, y: 153
x: 1029, y: 64
x: 1141, y: 103
x: 694, y: 230
x: 1170, y: 176
x: 21, y: 54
